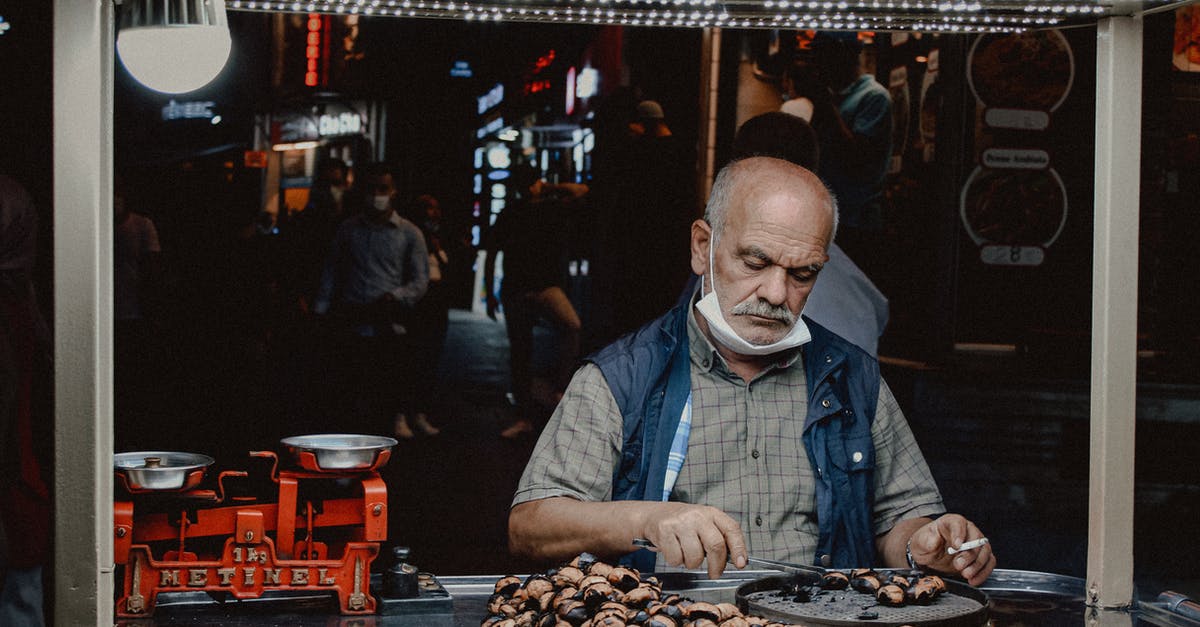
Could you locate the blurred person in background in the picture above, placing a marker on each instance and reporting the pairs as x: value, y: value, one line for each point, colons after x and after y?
x: 431, y: 318
x: 376, y: 272
x: 25, y: 415
x: 852, y: 114
x: 532, y: 233
x: 649, y: 201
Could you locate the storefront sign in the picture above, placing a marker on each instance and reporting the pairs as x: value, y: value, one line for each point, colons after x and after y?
x: 336, y: 120
x: 587, y: 84
x: 493, y: 126
x: 490, y: 100
x: 192, y: 110
x: 461, y: 69
x: 569, y: 105
x: 335, y: 124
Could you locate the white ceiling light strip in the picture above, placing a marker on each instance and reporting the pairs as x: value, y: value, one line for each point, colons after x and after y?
x: 882, y: 15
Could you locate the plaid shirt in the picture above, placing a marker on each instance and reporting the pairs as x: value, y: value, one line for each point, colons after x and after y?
x: 745, y: 454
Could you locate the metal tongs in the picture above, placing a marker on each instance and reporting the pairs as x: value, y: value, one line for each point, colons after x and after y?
x: 787, y: 567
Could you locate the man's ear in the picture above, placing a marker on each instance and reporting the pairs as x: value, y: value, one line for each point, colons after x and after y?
x: 701, y: 233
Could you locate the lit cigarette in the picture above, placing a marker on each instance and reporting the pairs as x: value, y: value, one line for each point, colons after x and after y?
x: 967, y: 546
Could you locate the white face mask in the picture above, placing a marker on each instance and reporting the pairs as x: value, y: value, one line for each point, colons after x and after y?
x: 382, y: 203
x: 337, y: 193
x: 710, y: 308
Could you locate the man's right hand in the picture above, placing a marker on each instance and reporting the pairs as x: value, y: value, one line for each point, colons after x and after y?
x: 557, y: 528
x: 688, y: 534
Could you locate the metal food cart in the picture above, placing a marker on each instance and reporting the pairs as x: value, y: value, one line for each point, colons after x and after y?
x: 83, y: 33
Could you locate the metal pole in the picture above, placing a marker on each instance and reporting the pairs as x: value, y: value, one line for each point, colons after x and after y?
x: 83, y: 474
x: 710, y: 76
x: 1114, y: 311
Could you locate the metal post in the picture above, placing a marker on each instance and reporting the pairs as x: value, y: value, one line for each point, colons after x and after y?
x: 710, y: 75
x: 1114, y: 311
x: 83, y: 474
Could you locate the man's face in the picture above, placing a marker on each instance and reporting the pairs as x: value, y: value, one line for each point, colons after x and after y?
x: 768, y: 256
x: 380, y: 186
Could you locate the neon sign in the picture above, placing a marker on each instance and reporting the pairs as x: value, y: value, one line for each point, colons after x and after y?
x: 314, y: 50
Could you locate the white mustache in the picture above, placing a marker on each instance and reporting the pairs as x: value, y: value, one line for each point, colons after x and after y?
x: 763, y: 309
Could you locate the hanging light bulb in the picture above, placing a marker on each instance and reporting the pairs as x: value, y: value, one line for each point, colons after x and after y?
x: 173, y: 46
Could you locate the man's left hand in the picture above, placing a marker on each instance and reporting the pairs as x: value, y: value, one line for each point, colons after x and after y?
x: 929, y: 543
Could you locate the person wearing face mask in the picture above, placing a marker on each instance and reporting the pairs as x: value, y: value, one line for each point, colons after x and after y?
x: 376, y: 272
x: 735, y: 426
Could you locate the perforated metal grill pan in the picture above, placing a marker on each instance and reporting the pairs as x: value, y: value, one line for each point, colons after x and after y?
x: 960, y: 606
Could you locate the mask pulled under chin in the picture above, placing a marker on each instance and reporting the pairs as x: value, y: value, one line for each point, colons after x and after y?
x: 727, y: 337
x: 710, y: 308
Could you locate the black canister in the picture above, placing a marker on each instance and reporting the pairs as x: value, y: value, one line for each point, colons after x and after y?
x: 400, y: 581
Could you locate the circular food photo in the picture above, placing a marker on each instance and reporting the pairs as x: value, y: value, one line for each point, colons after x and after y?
x: 1014, y: 207
x: 1032, y: 70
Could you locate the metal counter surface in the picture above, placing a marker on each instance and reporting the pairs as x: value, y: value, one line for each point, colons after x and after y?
x: 1017, y: 598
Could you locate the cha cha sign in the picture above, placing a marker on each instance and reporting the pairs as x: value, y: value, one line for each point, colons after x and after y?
x: 337, y: 124
x: 331, y: 120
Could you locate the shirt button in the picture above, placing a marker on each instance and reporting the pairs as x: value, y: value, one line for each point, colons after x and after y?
x: 826, y: 561
x: 758, y: 520
x: 825, y: 403
x: 754, y: 453
x: 857, y: 456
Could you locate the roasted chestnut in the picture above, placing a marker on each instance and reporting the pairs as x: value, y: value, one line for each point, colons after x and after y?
x: 567, y: 575
x: 728, y: 611
x: 867, y: 584
x: 700, y: 610
x: 623, y: 579
x: 890, y: 594
x: 835, y: 580
x: 507, y: 585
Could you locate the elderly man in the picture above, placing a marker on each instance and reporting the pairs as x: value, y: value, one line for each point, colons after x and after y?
x: 734, y: 426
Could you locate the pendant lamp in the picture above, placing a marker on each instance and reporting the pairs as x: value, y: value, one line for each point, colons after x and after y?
x: 173, y: 46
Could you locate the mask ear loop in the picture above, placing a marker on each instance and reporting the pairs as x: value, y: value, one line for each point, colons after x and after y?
x: 712, y: 269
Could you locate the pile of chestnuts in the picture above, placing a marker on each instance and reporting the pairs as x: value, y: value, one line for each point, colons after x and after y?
x: 894, y: 589
x: 587, y: 592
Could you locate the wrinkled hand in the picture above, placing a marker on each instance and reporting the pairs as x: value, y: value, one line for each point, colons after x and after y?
x: 492, y: 305
x: 929, y: 544
x: 686, y: 534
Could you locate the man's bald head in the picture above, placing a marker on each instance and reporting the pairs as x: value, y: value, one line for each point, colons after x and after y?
x: 743, y: 180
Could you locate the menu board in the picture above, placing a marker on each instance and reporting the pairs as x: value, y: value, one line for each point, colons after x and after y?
x: 1014, y: 205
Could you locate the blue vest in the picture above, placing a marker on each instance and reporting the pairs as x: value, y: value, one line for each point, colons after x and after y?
x: 649, y: 374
